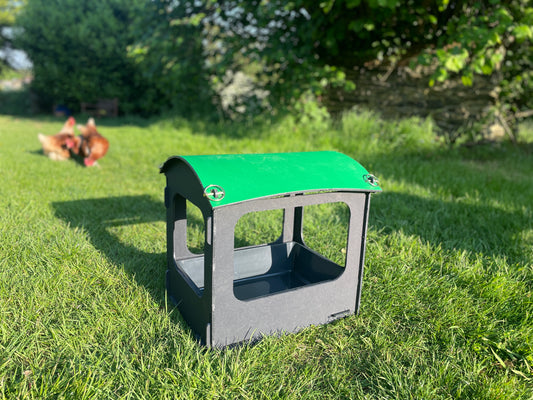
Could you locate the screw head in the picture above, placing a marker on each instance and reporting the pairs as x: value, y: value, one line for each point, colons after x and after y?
x: 214, y: 192
x: 371, y: 179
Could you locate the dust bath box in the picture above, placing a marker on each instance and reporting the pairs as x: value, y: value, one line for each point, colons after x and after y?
x: 228, y: 295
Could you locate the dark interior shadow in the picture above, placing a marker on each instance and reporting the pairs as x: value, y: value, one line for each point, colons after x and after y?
x: 453, y: 225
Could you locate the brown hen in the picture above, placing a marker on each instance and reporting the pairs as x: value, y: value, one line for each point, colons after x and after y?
x: 90, y: 145
x: 55, y: 146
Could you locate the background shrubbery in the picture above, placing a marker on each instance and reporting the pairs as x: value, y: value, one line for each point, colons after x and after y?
x: 79, y: 50
x: 185, y: 56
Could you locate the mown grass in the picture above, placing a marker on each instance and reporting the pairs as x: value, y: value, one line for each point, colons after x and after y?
x: 446, y: 309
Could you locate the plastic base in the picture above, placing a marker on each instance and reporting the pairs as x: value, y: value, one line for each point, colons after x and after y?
x: 264, y: 270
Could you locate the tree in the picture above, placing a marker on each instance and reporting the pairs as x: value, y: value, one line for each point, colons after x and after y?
x: 179, y: 54
x: 168, y: 53
x: 303, y: 45
x: 490, y: 38
x: 78, y: 50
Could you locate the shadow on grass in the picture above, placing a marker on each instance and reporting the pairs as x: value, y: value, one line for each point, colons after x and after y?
x: 451, y: 225
x: 99, y: 216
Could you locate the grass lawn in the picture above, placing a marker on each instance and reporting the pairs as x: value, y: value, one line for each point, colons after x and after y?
x: 446, y: 307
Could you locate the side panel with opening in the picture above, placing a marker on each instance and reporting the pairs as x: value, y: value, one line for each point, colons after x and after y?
x: 189, y: 242
x: 271, y: 266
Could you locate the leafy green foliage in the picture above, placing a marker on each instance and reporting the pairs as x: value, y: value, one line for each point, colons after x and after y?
x: 169, y: 57
x: 221, y: 38
x: 490, y: 38
x: 165, y: 55
x: 302, y: 46
x: 8, y: 10
x: 79, y: 51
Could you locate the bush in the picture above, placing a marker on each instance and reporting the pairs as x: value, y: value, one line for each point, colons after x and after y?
x: 168, y: 55
x: 78, y: 50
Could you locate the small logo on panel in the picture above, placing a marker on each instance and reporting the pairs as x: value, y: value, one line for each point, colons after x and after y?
x: 214, y: 192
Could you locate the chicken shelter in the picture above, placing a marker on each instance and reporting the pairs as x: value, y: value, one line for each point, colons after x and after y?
x: 228, y: 294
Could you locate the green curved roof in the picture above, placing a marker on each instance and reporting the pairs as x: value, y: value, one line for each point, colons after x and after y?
x: 240, y: 177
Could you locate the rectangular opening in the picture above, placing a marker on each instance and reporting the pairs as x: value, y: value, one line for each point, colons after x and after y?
x: 262, y: 270
x: 195, y: 229
x: 325, y: 230
x: 258, y: 228
x: 279, y: 267
x: 263, y: 263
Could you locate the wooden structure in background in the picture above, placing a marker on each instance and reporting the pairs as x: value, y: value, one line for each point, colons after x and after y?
x: 102, y: 108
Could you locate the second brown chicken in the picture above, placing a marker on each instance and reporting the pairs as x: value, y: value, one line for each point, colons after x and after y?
x: 90, y: 145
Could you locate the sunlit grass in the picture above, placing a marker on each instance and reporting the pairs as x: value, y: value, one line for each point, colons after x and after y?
x: 9, y: 73
x: 446, y: 302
